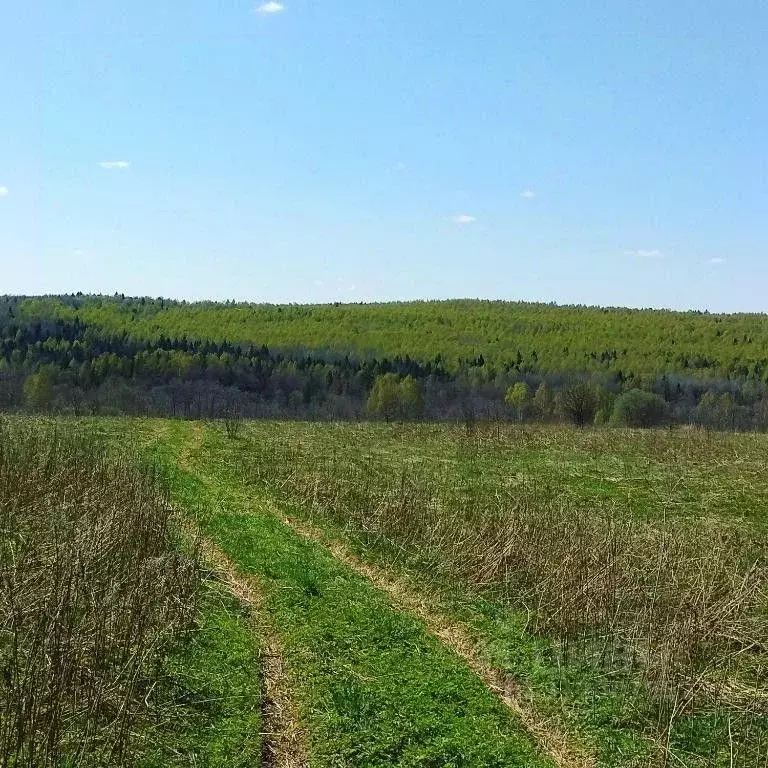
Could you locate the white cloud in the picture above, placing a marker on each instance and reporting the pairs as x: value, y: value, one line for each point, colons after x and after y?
x: 463, y: 218
x: 112, y: 165
x: 527, y: 194
x: 646, y: 253
x: 4, y: 192
x: 345, y: 286
x: 717, y: 260
x: 269, y: 7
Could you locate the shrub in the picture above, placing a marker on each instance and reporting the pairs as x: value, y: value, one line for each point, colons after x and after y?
x: 637, y: 408
x: 233, y: 421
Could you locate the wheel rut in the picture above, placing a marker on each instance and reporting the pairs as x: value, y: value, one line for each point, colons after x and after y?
x: 558, y: 745
x: 284, y: 742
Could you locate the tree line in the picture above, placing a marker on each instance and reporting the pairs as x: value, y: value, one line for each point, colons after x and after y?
x: 60, y: 354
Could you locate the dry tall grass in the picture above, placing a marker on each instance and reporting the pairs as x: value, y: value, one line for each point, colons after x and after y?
x: 685, y: 595
x: 682, y: 602
x: 91, y: 588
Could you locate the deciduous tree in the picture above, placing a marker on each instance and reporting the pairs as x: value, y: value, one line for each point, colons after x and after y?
x: 578, y: 402
x: 518, y: 397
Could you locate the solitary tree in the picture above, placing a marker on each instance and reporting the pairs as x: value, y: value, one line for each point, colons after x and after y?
x: 578, y: 402
x: 384, y: 399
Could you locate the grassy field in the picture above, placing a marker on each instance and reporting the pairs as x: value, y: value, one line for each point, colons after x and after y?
x: 510, y: 533
x: 373, y: 687
x: 648, y: 474
x: 417, y: 595
x: 117, y: 647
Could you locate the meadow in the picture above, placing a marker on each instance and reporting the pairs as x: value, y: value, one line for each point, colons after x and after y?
x: 117, y: 644
x: 454, y: 595
x: 623, y: 570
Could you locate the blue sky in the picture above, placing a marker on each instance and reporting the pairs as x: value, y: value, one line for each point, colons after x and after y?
x: 608, y: 152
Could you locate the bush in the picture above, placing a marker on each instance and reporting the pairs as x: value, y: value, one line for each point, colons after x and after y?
x: 637, y: 408
x: 233, y: 421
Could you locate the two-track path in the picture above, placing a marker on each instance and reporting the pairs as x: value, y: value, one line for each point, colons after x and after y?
x: 317, y: 648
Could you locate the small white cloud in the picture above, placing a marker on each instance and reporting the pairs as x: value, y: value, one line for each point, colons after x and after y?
x: 717, y: 260
x: 269, y: 7
x: 112, y: 165
x: 463, y: 219
x: 646, y: 253
x: 4, y: 192
x: 527, y: 194
x: 344, y: 286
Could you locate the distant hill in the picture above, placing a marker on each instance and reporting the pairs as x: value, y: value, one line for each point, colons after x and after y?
x: 497, y: 336
x: 442, y: 360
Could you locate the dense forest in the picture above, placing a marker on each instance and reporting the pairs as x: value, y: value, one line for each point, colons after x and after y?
x: 458, y: 360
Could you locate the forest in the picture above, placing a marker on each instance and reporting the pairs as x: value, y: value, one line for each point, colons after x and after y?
x: 463, y: 360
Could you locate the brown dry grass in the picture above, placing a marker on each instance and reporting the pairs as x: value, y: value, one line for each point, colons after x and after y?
x: 93, y: 588
x: 688, y: 597
x: 675, y: 600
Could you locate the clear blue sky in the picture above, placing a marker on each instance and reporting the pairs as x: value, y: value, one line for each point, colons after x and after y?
x: 609, y: 152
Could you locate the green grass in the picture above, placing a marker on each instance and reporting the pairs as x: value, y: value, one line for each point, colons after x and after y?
x: 207, y: 712
x: 374, y: 688
x: 111, y: 633
x: 649, y: 474
x: 210, y: 710
x: 320, y: 471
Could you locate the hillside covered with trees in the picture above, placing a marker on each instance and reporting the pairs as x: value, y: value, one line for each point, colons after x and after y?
x: 534, y: 338
x: 140, y: 355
